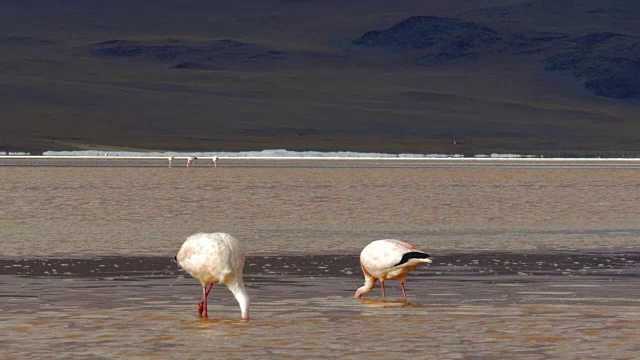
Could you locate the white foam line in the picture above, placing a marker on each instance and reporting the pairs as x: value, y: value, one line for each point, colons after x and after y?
x: 314, y: 158
x: 92, y: 157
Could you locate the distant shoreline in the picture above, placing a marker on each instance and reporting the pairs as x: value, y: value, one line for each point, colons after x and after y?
x: 237, y: 161
x: 282, y: 154
x: 317, y: 158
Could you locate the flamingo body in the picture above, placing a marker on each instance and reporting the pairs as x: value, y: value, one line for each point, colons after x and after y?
x: 389, y: 259
x: 216, y: 258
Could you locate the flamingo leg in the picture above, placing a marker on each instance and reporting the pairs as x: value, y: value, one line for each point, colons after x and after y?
x: 404, y: 293
x: 384, y: 294
x: 208, y: 290
x: 202, y: 305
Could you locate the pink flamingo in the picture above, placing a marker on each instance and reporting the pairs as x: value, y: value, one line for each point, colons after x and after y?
x: 212, y: 259
x: 389, y: 259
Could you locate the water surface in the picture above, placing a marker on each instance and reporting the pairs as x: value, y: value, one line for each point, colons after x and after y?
x: 530, y: 262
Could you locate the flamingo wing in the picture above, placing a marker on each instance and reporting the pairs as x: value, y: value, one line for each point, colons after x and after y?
x: 385, y: 254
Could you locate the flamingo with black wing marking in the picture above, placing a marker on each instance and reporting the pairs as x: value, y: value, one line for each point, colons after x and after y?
x: 389, y: 259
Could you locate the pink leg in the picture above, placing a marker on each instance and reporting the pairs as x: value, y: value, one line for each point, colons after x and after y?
x: 206, y: 310
x: 201, y: 303
x: 384, y: 294
x: 202, y: 306
x: 208, y: 290
x: 404, y: 294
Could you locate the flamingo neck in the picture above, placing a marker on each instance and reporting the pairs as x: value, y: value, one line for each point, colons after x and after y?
x: 239, y: 292
x: 368, y: 285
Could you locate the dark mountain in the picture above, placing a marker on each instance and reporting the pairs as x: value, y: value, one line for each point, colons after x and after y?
x: 546, y: 77
x: 445, y: 39
x: 607, y: 63
x: 189, y: 54
x: 421, y: 32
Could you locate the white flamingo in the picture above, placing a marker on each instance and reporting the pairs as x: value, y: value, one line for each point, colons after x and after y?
x: 389, y: 259
x: 191, y: 160
x: 212, y: 259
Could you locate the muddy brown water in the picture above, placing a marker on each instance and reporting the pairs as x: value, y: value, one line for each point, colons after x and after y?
x: 530, y: 262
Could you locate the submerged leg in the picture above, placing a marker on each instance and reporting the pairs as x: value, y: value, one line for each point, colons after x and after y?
x: 202, y: 306
x: 206, y: 310
x: 404, y: 293
x: 384, y: 294
x: 201, y: 303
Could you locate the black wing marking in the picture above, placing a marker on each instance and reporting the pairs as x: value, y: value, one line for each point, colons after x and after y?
x: 412, y: 255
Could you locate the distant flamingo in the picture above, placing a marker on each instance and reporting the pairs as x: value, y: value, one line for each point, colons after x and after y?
x: 171, y: 160
x: 389, y: 260
x: 191, y: 160
x: 212, y: 259
x: 215, y: 161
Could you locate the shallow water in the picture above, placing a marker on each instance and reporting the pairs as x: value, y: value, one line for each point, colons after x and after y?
x: 51, y: 211
x: 529, y: 262
x: 496, y: 305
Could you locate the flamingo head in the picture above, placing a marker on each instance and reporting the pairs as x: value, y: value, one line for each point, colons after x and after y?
x: 361, y: 291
